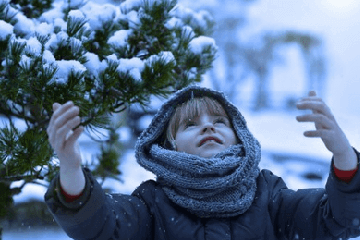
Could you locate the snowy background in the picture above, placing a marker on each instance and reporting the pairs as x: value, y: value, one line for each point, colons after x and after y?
x: 302, y: 162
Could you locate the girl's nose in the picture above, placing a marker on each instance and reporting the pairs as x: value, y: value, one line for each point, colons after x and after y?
x: 208, y: 126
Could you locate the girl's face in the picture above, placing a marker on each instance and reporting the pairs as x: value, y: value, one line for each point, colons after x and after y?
x: 205, y: 135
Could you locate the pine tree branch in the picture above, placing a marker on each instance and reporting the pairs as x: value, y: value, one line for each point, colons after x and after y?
x: 21, y: 177
x: 30, y: 81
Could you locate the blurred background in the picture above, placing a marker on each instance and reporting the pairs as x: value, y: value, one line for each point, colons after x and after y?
x: 270, y: 54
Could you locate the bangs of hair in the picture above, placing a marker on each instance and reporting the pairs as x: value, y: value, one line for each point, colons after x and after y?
x: 191, y: 109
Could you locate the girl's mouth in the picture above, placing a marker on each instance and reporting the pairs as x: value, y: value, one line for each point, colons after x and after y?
x: 202, y: 141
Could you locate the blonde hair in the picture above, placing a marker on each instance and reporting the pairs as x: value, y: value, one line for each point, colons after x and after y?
x: 189, y: 110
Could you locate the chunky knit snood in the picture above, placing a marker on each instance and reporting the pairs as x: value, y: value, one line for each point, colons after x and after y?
x: 221, y: 186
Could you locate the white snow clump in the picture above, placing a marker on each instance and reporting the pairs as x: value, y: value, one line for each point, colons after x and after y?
x: 65, y: 67
x: 130, y: 4
x: 24, y: 61
x: 133, y: 19
x: 166, y: 55
x: 173, y: 23
x: 76, y: 3
x: 198, y: 44
x: 187, y: 31
x: 6, y: 29
x: 76, y: 14
x: 54, y: 13
x: 60, y: 23
x: 48, y: 57
x: 24, y: 24
x: 93, y: 64
x: 112, y: 58
x: 98, y: 14
x: 44, y: 28
x: 120, y: 37
x: 34, y: 46
x: 133, y: 66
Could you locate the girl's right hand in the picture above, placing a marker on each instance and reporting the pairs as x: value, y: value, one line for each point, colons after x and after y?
x: 62, y: 137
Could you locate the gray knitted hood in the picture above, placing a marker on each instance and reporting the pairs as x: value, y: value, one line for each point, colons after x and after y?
x: 221, y: 186
x: 156, y: 130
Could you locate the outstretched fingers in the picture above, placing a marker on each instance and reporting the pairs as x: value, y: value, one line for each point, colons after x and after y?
x: 64, y: 119
x: 326, y: 126
x: 321, y: 115
x: 317, y: 106
x: 323, y: 121
x: 319, y: 133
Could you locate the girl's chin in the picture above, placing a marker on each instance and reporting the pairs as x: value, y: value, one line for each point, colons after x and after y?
x: 209, y: 154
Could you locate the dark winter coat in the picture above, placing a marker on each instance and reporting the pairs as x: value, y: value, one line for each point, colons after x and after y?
x: 148, y: 214
x: 276, y: 213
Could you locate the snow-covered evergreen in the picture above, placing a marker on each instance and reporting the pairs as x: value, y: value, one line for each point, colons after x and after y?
x: 103, y: 57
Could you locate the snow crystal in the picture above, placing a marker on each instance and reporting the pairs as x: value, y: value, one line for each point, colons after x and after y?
x: 173, y: 23
x: 48, y: 57
x: 76, y: 14
x: 198, y: 44
x: 133, y: 19
x: 119, y: 38
x: 24, y: 24
x: 65, y: 67
x: 34, y: 46
x: 133, y: 66
x: 6, y: 29
x: 93, y: 64
x: 44, y: 28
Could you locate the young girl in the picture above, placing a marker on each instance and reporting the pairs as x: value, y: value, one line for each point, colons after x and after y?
x: 209, y: 185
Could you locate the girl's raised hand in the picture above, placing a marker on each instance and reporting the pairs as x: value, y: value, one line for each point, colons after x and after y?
x: 62, y: 137
x: 326, y: 128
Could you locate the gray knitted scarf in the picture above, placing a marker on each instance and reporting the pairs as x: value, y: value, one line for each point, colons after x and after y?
x: 221, y: 186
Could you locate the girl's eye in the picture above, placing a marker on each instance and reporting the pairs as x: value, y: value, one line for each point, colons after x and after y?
x: 220, y: 121
x: 189, y: 124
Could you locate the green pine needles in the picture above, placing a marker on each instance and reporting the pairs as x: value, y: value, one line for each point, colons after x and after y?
x: 101, y: 57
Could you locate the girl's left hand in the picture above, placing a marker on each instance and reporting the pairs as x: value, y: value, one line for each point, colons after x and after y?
x: 326, y: 126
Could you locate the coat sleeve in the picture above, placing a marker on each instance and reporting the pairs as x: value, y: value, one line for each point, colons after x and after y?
x: 330, y: 213
x: 97, y: 215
